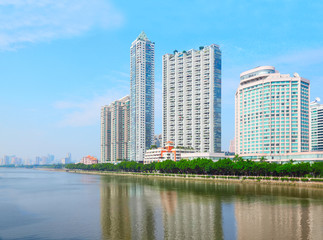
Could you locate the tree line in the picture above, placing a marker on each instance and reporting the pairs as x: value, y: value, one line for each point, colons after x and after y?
x: 236, y: 166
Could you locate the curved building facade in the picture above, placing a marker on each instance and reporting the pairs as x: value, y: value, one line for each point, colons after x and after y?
x: 272, y: 112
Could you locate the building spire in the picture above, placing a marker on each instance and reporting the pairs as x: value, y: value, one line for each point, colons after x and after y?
x: 142, y: 36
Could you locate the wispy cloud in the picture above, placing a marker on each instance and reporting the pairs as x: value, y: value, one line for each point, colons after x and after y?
x: 30, y: 21
x: 86, y: 112
x: 299, y: 59
x: 122, y: 74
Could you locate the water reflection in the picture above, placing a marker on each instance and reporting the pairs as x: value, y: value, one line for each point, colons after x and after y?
x: 151, y: 208
x: 115, y: 211
x: 261, y: 220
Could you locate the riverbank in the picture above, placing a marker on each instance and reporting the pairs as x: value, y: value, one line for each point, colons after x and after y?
x: 302, y: 182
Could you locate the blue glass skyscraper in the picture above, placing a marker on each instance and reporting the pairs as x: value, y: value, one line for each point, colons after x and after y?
x: 142, y: 83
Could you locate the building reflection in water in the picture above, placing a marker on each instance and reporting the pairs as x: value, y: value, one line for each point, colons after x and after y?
x: 139, y: 208
x: 288, y: 218
x: 169, y: 201
x: 115, y: 213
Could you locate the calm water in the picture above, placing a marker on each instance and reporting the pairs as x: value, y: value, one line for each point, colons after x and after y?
x: 55, y: 205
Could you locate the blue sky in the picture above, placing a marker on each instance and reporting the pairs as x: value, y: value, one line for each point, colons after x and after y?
x: 60, y: 60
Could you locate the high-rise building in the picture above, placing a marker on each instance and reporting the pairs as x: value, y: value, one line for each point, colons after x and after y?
x: 115, y: 130
x: 67, y: 159
x: 142, y: 82
x: 37, y: 160
x: 105, y: 134
x: 50, y: 158
x: 272, y: 112
x: 232, y: 147
x: 316, y: 125
x: 192, y: 98
x: 158, y: 140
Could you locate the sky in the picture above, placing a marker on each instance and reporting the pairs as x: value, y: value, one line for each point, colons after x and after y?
x: 61, y: 60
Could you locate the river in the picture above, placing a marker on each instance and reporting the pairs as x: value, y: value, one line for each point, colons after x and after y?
x: 37, y: 204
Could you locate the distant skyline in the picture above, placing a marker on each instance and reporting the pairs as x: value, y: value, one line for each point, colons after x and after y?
x: 60, y: 61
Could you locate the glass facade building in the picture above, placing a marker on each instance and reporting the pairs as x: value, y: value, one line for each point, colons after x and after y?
x: 142, y: 83
x: 192, y: 98
x: 272, y: 113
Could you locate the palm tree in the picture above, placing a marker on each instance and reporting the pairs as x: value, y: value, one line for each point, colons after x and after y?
x: 262, y: 159
x: 237, y: 158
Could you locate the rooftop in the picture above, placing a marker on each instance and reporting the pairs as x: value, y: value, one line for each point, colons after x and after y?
x: 257, y: 69
x: 142, y: 36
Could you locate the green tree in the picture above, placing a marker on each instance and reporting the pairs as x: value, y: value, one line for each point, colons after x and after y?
x: 317, y: 168
x: 183, y: 166
x: 263, y: 159
x: 167, y: 166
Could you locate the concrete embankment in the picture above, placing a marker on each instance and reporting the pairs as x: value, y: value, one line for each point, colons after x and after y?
x: 291, y: 181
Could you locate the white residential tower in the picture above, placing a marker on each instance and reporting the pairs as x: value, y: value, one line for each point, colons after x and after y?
x: 115, y: 130
x: 192, y: 98
x: 316, y: 125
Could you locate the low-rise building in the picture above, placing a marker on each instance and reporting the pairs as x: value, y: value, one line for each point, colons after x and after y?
x: 316, y: 156
x: 208, y: 155
x: 88, y: 160
x: 165, y: 153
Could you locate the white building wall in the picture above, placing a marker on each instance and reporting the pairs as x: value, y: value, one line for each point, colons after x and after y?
x: 115, y: 130
x: 316, y: 120
x: 191, y: 92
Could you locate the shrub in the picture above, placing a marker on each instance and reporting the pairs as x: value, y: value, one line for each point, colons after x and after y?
x: 317, y: 180
x: 294, y: 179
x: 233, y: 177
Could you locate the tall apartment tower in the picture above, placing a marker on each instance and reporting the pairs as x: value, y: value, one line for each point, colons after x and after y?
x: 115, y: 130
x: 316, y: 125
x: 192, y: 98
x: 142, y: 83
x: 272, y: 112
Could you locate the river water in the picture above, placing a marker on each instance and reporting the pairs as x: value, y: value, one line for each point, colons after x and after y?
x: 38, y: 204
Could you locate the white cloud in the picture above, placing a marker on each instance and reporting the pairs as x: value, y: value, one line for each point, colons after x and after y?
x: 86, y: 112
x: 30, y: 21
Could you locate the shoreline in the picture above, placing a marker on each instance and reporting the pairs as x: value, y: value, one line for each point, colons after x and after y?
x: 192, y: 177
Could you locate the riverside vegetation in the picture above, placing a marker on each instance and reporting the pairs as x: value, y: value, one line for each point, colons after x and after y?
x: 200, y: 166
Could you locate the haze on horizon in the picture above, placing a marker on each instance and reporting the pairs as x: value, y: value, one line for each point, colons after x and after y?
x: 60, y: 61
